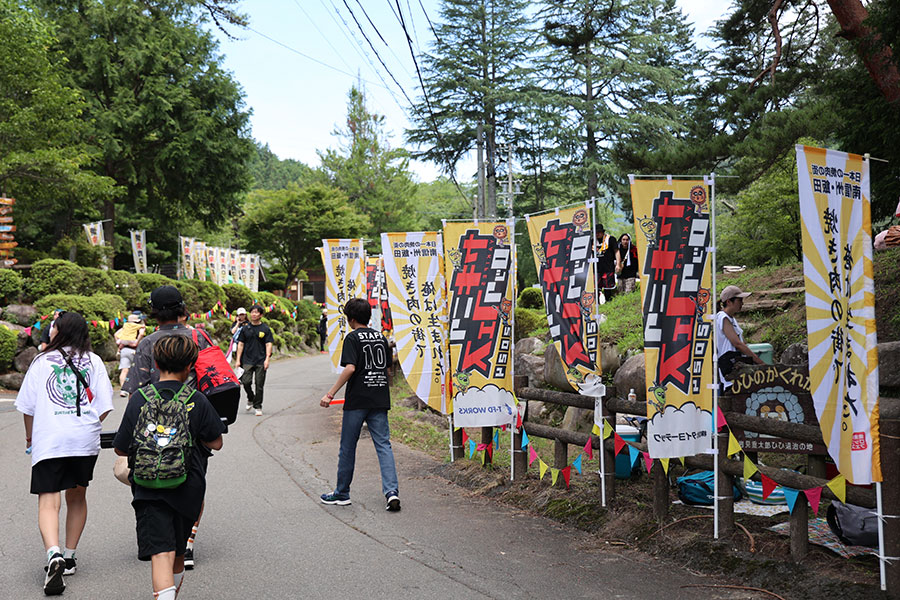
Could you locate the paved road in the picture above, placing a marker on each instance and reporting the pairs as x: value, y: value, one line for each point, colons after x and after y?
x: 265, y: 535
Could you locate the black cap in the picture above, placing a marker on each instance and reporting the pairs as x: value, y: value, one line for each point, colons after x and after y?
x: 166, y: 297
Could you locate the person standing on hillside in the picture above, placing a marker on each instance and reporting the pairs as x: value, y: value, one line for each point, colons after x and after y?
x: 627, y: 266
x: 607, y: 252
x: 253, y: 353
x: 730, y: 345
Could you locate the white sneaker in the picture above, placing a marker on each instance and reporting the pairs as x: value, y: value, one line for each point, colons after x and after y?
x: 123, y: 394
x: 258, y: 412
x: 53, y: 582
x: 249, y: 407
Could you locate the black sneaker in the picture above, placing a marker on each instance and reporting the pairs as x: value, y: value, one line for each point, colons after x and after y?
x: 393, y: 503
x: 70, y: 566
x: 333, y: 498
x: 53, y: 582
x: 189, y: 559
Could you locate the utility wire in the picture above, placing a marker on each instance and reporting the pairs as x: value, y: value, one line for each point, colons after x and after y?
x: 324, y: 37
x: 369, y: 19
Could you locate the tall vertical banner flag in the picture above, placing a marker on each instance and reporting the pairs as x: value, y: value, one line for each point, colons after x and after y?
x: 244, y: 270
x: 480, y: 294
x: 211, y: 264
x: 200, y: 261
x: 222, y: 264
x: 561, y: 241
x: 234, y: 268
x: 139, y: 250
x: 672, y: 235
x: 374, y: 285
x: 253, y: 266
x: 835, y: 216
x: 345, y: 279
x: 187, y: 256
x: 94, y: 233
x: 7, y: 232
x: 414, y: 271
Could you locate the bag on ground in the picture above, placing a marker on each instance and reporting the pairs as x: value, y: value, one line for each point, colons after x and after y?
x: 854, y: 525
x: 162, y: 439
x: 697, y: 489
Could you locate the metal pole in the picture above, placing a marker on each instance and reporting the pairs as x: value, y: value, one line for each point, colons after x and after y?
x: 479, y: 210
x: 715, y: 402
x: 594, y: 259
x: 509, y: 182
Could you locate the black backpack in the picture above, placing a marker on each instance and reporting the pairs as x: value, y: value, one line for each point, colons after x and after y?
x: 854, y: 525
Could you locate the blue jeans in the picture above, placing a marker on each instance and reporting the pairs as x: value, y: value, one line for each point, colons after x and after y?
x: 379, y: 429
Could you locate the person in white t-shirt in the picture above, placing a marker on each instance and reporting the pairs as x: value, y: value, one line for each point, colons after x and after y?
x: 730, y: 346
x: 64, y: 397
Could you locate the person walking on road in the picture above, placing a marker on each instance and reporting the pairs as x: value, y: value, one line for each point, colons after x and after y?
x: 236, y: 330
x: 253, y: 353
x: 366, y: 357
x: 322, y: 329
x: 65, y: 396
x: 127, y: 339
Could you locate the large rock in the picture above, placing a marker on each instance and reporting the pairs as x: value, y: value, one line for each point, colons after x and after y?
x: 889, y: 364
x: 609, y: 359
x: 554, y: 372
x: 21, y: 314
x: 631, y: 375
x: 12, y: 381
x: 533, y: 367
x: 578, y: 419
x: 795, y: 355
x: 22, y: 338
x: 107, y: 350
x: 528, y: 346
x: 23, y: 359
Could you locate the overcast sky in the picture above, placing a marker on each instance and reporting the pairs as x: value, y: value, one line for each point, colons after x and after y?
x: 299, y: 58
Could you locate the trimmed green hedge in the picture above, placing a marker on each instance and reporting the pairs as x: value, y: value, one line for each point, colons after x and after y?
x: 52, y: 276
x: 127, y: 288
x: 528, y: 321
x: 238, y: 296
x: 97, y: 307
x: 10, y: 285
x: 7, y: 347
x: 151, y: 281
x: 531, y: 298
x: 95, y: 281
x: 190, y: 295
x: 210, y: 293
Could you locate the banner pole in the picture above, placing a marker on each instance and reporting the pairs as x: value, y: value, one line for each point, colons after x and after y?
x: 714, y: 412
x: 450, y: 423
x: 881, y: 557
x: 511, y: 232
x: 597, y: 320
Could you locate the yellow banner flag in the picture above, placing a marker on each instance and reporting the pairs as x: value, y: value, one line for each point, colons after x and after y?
x: 480, y: 293
x: 672, y: 235
x: 562, y: 244
x: 749, y: 468
x: 417, y: 292
x: 345, y: 273
x: 836, y: 225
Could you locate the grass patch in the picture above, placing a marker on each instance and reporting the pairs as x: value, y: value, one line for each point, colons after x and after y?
x: 624, y: 325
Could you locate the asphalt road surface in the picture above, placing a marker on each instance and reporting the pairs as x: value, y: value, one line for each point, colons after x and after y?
x: 265, y: 535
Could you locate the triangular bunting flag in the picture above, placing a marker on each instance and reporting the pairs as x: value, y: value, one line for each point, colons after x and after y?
x: 532, y: 455
x: 681, y: 458
x: 768, y: 485
x: 525, y: 440
x: 749, y: 468
x: 497, y: 438
x: 490, y: 451
x: 481, y: 447
x: 814, y: 495
x: 465, y: 437
x: 567, y: 473
x: 543, y: 467
x: 648, y: 462
x: 589, y: 449
x: 483, y: 458
x: 733, y: 446
x: 38, y: 325
x: 471, y: 448
x: 577, y: 465
x: 791, y: 497
x: 633, y: 455
x: 607, y: 429
x: 620, y: 443
x: 518, y: 421
x: 28, y: 331
x: 838, y: 486
x: 665, y: 464
x: 554, y: 474
x: 720, y: 419
x: 595, y: 429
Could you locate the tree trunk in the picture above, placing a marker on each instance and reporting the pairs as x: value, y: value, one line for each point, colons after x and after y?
x: 109, y: 228
x: 875, y: 54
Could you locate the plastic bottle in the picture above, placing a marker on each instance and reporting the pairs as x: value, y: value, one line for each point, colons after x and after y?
x: 632, y: 396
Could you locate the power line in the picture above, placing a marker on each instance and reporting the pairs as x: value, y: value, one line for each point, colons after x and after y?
x: 324, y: 37
x: 368, y: 18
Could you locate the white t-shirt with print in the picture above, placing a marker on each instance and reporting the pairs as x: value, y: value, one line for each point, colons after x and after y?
x: 48, y: 394
x: 723, y: 344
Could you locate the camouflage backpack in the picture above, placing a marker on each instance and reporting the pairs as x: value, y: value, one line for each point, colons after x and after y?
x: 162, y: 439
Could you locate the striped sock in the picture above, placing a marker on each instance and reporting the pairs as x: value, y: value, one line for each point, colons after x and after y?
x: 190, y: 541
x: 166, y: 594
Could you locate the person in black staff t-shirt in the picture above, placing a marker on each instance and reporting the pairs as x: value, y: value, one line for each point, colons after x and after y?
x: 607, y: 252
x: 365, y: 358
x: 253, y: 352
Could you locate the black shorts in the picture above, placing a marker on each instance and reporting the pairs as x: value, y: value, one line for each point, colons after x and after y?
x: 160, y: 528
x: 57, y: 474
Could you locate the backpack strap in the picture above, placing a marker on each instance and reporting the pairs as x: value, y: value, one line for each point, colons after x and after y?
x: 197, y: 340
x: 79, y: 381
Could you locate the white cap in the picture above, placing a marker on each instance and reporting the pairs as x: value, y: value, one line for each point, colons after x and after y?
x: 241, y: 311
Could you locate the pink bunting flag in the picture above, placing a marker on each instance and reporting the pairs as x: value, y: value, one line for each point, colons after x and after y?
x: 481, y: 447
x: 532, y: 455
x: 112, y: 324
x: 566, y: 473
x: 814, y: 495
x: 768, y: 485
x: 28, y: 331
x: 720, y: 418
x: 589, y: 449
x: 648, y: 462
x: 620, y: 443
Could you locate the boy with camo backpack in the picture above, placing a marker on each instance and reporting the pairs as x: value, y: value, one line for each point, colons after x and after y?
x: 167, y: 432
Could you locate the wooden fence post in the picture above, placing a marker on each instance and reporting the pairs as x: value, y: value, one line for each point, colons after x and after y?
x: 560, y: 459
x: 725, y: 490
x: 889, y: 430
x: 660, y: 492
x: 487, y: 438
x: 519, y: 458
x: 799, y: 521
x: 456, y: 447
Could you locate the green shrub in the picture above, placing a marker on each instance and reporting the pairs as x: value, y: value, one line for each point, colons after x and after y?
x: 95, y: 281
x: 151, y: 281
x: 127, y: 288
x: 531, y: 298
x: 529, y: 320
x: 190, y: 295
x: 86, y: 255
x: 237, y: 296
x: 210, y: 293
x: 291, y: 339
x: 10, y: 286
x: 307, y: 309
x: 51, y: 276
x: 7, y: 347
x: 275, y: 325
x: 265, y: 298
x: 100, y: 307
x: 278, y: 341
x: 624, y: 325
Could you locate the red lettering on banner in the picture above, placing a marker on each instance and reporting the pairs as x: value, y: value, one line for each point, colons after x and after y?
x: 672, y: 366
x: 476, y: 357
x: 859, y: 441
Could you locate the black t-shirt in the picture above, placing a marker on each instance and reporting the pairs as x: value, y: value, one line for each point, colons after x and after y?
x: 205, y: 425
x: 629, y: 267
x: 369, y: 352
x: 607, y: 259
x: 255, y: 338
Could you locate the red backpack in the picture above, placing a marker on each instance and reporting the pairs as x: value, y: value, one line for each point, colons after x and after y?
x: 216, y: 379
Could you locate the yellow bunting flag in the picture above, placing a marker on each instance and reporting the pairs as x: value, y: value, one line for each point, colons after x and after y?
x: 543, y: 467
x: 749, y: 469
x: 733, y: 446
x: 665, y: 464
x: 607, y: 429
x: 681, y: 458
x: 554, y: 473
x: 838, y: 485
